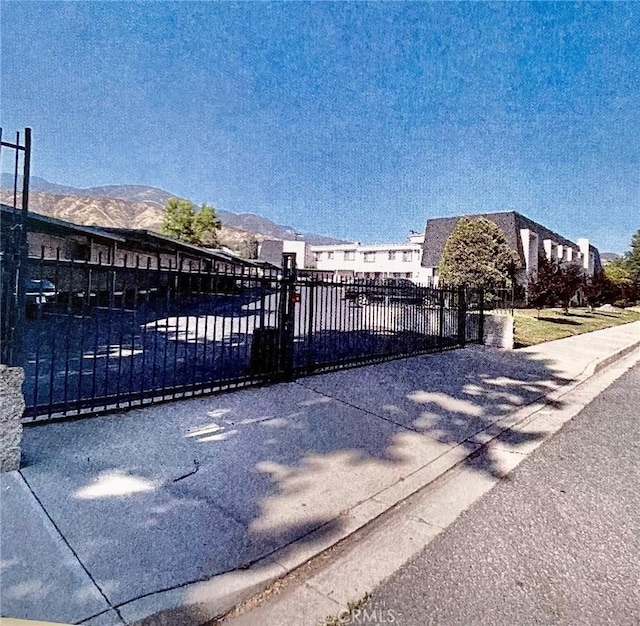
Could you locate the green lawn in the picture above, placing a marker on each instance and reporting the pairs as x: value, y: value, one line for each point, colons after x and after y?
x: 553, y: 324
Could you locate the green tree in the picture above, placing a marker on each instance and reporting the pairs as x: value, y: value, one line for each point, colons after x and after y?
x: 598, y: 289
x: 540, y: 287
x: 184, y: 222
x: 477, y: 254
x: 620, y: 273
x: 633, y: 256
x: 568, y: 278
x: 554, y: 284
x: 206, y: 226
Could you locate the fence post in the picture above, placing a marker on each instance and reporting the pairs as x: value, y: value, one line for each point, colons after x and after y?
x: 310, y: 307
x: 287, y: 318
x: 481, y: 317
x: 462, y: 316
x: 440, y: 318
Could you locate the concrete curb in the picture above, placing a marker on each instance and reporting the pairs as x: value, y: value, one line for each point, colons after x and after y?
x: 197, y: 603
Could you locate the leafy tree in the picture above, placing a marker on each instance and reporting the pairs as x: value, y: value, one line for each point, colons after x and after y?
x: 569, y: 277
x: 598, y: 289
x: 540, y: 288
x: 184, y: 222
x: 633, y: 256
x: 620, y: 273
x: 554, y: 283
x: 206, y: 226
x: 477, y: 254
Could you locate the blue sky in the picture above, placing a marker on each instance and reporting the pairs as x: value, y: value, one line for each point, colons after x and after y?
x: 357, y: 120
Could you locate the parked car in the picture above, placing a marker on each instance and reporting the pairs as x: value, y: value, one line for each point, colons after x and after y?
x: 395, y: 289
x: 38, y: 292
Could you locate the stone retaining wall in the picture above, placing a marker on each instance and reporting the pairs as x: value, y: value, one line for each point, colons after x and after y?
x: 11, y: 409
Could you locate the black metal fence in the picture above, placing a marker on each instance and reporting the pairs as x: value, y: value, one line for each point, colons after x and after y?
x: 15, y: 163
x: 101, y: 336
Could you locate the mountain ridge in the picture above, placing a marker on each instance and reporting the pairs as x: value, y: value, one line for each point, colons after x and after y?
x: 142, y: 206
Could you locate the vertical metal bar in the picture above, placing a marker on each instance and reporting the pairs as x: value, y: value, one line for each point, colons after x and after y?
x: 54, y: 343
x: 85, y: 306
x: 122, y: 318
x: 38, y: 340
x: 207, y: 298
x: 310, y: 303
x: 26, y: 172
x: 462, y: 316
x: 16, y: 167
x: 68, y: 325
x: 178, y: 297
x: 441, y: 318
x: 96, y: 327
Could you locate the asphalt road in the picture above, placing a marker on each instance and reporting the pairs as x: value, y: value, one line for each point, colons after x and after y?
x: 558, y: 542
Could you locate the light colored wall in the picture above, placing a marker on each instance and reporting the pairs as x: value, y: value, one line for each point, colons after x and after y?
x: 587, y: 257
x: 369, y: 260
x: 298, y: 248
x: 498, y: 330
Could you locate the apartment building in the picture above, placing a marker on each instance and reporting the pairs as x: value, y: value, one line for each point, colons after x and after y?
x: 355, y: 260
x: 528, y: 238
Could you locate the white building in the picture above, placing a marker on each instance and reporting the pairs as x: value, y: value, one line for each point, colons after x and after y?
x: 355, y: 260
x: 271, y: 250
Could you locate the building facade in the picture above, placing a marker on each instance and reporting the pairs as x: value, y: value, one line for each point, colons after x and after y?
x: 529, y: 239
x: 355, y: 260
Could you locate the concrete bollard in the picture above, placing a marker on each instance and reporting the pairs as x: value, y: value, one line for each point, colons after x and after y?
x: 11, y: 409
x: 499, y: 330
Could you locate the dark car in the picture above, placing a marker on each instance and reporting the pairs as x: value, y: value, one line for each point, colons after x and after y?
x: 393, y: 289
x: 38, y: 292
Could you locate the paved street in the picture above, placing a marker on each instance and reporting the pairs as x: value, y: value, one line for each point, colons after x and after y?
x: 558, y: 542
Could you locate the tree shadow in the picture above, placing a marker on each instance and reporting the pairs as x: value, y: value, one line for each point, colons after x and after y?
x: 559, y: 320
x: 172, y: 494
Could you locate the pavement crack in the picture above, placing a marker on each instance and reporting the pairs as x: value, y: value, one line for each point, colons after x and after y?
x: 359, y: 408
x: 75, y: 554
x: 196, y: 466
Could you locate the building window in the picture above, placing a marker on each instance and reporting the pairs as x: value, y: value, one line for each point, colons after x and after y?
x: 317, y: 256
x: 392, y: 255
x: 369, y: 257
x: 349, y: 255
x: 406, y: 256
x: 329, y: 255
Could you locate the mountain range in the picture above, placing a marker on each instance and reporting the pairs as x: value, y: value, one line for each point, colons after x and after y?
x: 140, y: 206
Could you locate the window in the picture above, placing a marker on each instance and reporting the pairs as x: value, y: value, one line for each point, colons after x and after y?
x: 349, y: 255
x: 329, y: 255
x: 406, y: 255
x: 369, y: 257
x: 317, y: 256
x: 392, y: 255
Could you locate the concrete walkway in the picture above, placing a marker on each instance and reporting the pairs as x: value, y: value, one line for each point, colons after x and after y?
x: 175, y: 513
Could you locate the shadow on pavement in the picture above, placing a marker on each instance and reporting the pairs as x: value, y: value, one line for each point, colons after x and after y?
x: 160, y: 497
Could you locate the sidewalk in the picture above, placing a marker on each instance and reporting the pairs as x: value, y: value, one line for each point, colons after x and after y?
x: 118, y: 518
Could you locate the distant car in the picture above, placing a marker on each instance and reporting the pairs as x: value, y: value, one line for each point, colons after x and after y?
x: 395, y: 289
x: 39, y: 291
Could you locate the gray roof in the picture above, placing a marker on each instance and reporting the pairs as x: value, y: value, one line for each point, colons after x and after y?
x: 169, y: 243
x: 45, y: 224
x: 510, y: 223
x: 271, y: 251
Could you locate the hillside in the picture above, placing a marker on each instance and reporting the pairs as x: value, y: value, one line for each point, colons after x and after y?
x: 138, y: 206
